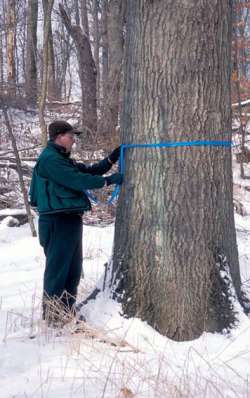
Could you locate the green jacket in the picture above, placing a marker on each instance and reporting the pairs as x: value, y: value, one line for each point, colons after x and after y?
x: 58, y: 182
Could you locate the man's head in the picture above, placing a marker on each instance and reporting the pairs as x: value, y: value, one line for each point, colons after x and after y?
x: 62, y: 133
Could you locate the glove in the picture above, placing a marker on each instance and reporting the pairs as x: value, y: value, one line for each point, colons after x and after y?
x: 114, y: 156
x: 116, y: 178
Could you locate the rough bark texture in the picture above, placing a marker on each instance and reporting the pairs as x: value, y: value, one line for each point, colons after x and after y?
x: 87, y: 72
x: 175, y: 215
x: 10, y: 50
x: 31, y: 53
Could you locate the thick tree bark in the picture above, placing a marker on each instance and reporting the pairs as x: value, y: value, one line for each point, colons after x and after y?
x: 175, y: 221
x: 31, y: 53
x: 10, y: 50
x: 87, y: 73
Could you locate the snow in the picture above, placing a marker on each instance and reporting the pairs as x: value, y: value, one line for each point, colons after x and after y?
x: 13, y: 212
x: 147, y: 365
x: 246, y: 102
x: 124, y: 358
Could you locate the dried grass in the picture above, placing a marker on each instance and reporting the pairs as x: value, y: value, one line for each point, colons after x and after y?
x: 98, y: 358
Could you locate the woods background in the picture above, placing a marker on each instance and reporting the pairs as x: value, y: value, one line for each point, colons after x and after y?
x: 65, y: 60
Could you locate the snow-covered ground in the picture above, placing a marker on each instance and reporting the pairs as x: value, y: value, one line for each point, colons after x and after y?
x: 126, y: 358
x: 117, y: 357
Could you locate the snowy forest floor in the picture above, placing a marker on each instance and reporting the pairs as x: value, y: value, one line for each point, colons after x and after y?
x: 120, y: 357
x: 115, y: 357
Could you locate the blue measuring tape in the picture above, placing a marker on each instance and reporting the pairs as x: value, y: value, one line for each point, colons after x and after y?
x: 156, y: 145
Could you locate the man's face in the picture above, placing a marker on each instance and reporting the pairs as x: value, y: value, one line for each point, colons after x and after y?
x: 66, y: 140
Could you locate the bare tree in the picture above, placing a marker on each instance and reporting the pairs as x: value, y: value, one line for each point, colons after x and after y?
x: 87, y: 72
x: 84, y: 17
x: 10, y: 44
x: 63, y: 53
x: 115, y: 55
x: 1, y: 49
x: 96, y: 35
x: 31, y: 52
x: 77, y: 12
x: 52, y: 86
x: 104, y: 52
x: 48, y: 5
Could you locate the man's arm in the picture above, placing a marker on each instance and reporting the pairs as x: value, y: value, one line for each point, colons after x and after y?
x: 103, y: 166
x: 65, y: 173
x: 99, y: 168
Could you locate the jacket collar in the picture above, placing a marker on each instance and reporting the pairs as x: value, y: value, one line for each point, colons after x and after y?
x: 58, y: 148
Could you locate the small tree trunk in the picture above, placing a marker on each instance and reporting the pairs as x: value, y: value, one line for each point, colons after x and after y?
x: 115, y: 45
x: 77, y: 14
x: 236, y: 75
x: 84, y: 17
x: 10, y: 50
x: 104, y: 61
x: 242, y: 127
x: 87, y: 73
x: 48, y: 5
x: 2, y: 10
x: 63, y: 63
x: 31, y: 53
x: 19, y: 170
x: 52, y: 89
x: 1, y: 61
x: 96, y: 35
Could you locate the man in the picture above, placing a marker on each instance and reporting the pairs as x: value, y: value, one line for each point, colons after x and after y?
x: 58, y: 191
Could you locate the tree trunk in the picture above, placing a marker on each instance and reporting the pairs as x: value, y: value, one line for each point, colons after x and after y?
x: 10, y: 50
x: 115, y: 46
x: 31, y: 53
x: 104, y: 59
x: 1, y: 61
x: 87, y: 73
x: 48, y: 5
x: 84, y: 17
x: 19, y: 170
x: 236, y: 80
x: 175, y: 222
x: 62, y: 62
x: 52, y: 88
x: 77, y: 14
x: 96, y: 35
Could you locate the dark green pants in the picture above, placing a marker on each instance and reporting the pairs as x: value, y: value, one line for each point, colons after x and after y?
x: 60, y: 235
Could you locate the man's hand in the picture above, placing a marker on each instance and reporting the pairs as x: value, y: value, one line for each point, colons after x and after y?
x: 116, y: 178
x: 114, y: 156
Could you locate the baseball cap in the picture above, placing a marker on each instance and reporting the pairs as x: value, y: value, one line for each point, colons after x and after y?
x: 61, y: 127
